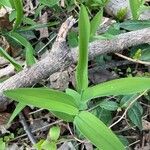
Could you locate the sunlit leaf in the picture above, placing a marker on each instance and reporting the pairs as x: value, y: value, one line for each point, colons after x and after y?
x: 135, y: 6
x: 97, y: 132
x: 54, y: 133
x: 124, y: 86
x: 44, y: 98
x: 5, y: 3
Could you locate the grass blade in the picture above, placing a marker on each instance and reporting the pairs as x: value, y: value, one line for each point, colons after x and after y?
x: 19, y: 13
x: 20, y: 106
x: 30, y: 60
x: 3, y: 53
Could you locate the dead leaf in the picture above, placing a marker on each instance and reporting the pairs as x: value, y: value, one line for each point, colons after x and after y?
x: 59, y: 80
x: 146, y: 124
x: 98, y: 75
x: 43, y: 31
x: 12, y: 50
x: 62, y: 3
x: 5, y: 24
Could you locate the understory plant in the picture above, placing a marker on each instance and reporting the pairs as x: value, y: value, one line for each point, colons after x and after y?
x: 12, y: 33
x: 73, y: 105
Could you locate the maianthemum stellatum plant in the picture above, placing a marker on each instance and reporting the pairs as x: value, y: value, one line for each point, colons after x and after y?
x: 72, y: 105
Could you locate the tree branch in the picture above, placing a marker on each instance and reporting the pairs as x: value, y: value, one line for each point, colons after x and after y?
x: 61, y: 57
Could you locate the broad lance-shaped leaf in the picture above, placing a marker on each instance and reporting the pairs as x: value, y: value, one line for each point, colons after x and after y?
x: 3, y: 53
x: 97, y: 132
x: 84, y: 35
x: 44, y: 98
x: 30, y: 60
x: 124, y: 86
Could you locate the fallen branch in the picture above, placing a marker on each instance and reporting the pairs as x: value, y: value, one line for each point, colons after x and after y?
x: 61, y: 57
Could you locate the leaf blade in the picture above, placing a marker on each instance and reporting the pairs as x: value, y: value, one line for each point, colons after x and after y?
x: 19, y: 13
x: 17, y: 66
x: 97, y: 132
x: 44, y: 98
x: 30, y: 60
x: 95, y: 22
x: 84, y: 35
x: 124, y: 86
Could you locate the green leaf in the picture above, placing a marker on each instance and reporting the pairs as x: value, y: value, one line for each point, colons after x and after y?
x: 145, y: 54
x: 3, y: 53
x: 72, y: 39
x: 84, y: 35
x: 63, y: 116
x: 77, y: 97
x: 5, y: 3
x: 97, y: 132
x: 124, y: 86
x: 135, y: 7
x: 49, y: 3
x: 135, y: 115
x: 132, y: 25
x: 44, y: 98
x: 109, y: 105
x: 20, y: 106
x: 47, y: 145
x: 38, y: 26
x: 95, y: 23
x: 2, y: 144
x: 54, y: 133
x: 103, y: 114
x: 19, y: 13
x: 127, y: 99
x: 121, y: 13
x: 30, y: 60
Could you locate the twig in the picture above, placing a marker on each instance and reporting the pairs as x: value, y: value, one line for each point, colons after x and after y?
x: 39, y: 129
x: 26, y: 128
x: 132, y: 143
x: 133, y: 60
x: 129, y: 106
x: 81, y: 141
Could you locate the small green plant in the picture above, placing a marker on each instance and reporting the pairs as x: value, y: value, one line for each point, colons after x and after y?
x: 136, y: 7
x: 72, y: 106
x: 51, y: 141
x: 17, y: 19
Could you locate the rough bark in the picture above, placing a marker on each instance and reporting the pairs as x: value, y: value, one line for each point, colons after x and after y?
x: 114, y: 6
x: 61, y: 56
